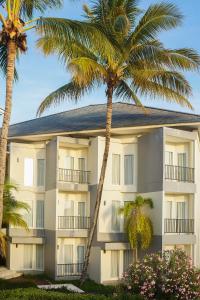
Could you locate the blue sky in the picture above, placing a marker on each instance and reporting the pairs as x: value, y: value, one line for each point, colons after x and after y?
x: 41, y: 75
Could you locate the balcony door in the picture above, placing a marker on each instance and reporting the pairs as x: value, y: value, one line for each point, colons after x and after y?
x: 82, y: 168
x: 182, y: 164
x: 181, y: 210
x: 80, y: 257
x: 69, y: 167
x: 81, y: 215
x: 68, y: 215
x: 68, y: 259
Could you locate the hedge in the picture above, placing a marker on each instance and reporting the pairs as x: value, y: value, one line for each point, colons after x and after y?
x: 37, y: 294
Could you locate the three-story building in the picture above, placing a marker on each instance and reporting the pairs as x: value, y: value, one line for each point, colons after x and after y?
x: 56, y: 162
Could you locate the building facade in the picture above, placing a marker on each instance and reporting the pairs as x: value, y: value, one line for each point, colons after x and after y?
x: 56, y: 161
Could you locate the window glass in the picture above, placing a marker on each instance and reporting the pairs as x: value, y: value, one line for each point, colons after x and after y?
x: 128, y: 169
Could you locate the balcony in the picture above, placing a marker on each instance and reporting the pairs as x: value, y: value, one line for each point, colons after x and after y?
x: 68, y: 270
x: 177, y: 173
x: 179, y: 226
x: 73, y: 222
x: 74, y: 176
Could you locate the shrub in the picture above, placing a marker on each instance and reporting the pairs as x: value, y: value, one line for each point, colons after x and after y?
x: 36, y: 294
x: 169, y: 275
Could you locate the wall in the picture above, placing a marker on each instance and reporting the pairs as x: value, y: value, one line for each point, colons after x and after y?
x: 150, y: 166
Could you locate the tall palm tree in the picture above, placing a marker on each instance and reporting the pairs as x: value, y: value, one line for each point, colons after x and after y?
x: 18, y: 20
x: 12, y: 210
x: 138, y: 225
x: 138, y: 65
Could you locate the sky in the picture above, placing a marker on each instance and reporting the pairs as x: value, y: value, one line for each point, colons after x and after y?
x: 40, y: 75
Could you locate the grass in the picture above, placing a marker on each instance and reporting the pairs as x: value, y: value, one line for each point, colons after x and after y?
x: 89, y: 286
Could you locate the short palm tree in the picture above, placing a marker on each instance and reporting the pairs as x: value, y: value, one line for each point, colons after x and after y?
x: 17, y: 20
x: 137, y: 223
x: 137, y: 65
x: 12, y: 213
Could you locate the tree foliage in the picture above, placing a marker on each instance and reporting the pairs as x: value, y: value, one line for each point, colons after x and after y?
x: 138, y: 224
x: 134, y: 62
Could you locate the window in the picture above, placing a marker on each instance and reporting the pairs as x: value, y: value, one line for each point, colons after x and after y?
x: 69, y: 162
x: 28, y: 257
x: 40, y: 172
x: 180, y: 210
x: 114, y: 264
x: 68, y: 254
x: 81, y: 164
x: 40, y: 214
x: 39, y: 257
x: 128, y: 259
x: 116, y: 169
x: 169, y: 209
x: 169, y: 158
x: 182, y: 163
x: 33, y: 257
x: 128, y: 169
x: 28, y: 172
x: 182, y: 160
x: 28, y: 215
x: 115, y: 216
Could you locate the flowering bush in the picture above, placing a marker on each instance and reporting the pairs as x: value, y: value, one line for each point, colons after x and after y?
x: 169, y: 275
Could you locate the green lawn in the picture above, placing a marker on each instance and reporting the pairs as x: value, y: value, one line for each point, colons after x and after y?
x: 25, y: 288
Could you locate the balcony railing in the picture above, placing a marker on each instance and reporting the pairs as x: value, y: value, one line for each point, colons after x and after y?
x: 179, y: 226
x: 73, y: 222
x: 76, y: 176
x: 65, y: 270
x: 179, y: 173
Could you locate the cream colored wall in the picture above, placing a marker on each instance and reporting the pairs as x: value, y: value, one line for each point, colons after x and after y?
x: 17, y: 257
x: 68, y: 241
x: 105, y: 214
x: 50, y: 209
x: 156, y: 214
x: 76, y: 197
x: 93, y: 160
x: 76, y: 153
x: 197, y: 201
x: 94, y: 269
x: 121, y: 147
x: 188, y: 199
x: 17, y: 154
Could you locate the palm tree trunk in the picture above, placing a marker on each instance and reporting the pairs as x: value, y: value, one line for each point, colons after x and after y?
x: 11, y: 56
x: 109, y: 94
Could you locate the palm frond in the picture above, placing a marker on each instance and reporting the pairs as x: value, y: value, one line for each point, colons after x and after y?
x: 71, y: 91
x: 124, y: 92
x: 85, y: 70
x: 158, y: 17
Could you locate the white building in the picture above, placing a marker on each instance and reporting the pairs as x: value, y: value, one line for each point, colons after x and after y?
x: 56, y: 162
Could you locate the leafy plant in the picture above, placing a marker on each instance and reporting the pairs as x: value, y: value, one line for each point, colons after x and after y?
x: 138, y: 225
x: 168, y: 275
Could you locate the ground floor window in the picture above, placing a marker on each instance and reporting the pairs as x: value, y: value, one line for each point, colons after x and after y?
x: 128, y: 258
x: 33, y: 257
x: 114, y: 264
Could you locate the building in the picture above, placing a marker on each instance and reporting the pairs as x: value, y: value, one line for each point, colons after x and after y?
x: 56, y: 161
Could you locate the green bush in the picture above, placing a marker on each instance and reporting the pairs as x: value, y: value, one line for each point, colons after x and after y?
x: 164, y: 276
x: 36, y: 294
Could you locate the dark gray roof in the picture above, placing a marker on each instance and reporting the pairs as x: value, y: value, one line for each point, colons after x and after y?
x: 93, y: 117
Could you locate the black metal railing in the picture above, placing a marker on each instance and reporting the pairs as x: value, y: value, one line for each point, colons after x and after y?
x: 76, y: 176
x: 73, y: 222
x: 64, y: 270
x: 179, y: 226
x: 179, y: 173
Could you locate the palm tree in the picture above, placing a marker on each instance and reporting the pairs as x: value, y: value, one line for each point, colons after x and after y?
x: 13, y: 41
x: 138, y: 65
x: 11, y: 213
x: 138, y: 225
